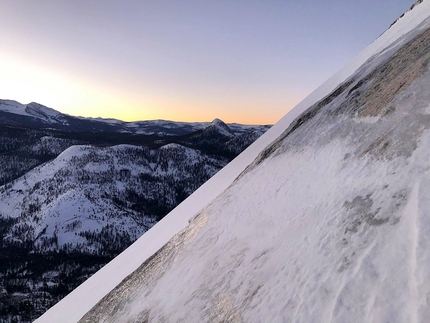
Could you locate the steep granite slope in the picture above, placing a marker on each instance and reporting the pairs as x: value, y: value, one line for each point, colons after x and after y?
x: 326, y: 222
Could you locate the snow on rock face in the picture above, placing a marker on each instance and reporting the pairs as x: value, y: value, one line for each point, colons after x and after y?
x: 330, y: 222
x: 219, y: 127
x: 32, y: 110
x: 41, y: 111
x: 12, y: 107
x: 45, y: 114
x: 411, y: 8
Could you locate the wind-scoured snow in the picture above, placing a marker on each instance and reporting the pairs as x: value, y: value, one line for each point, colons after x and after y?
x: 328, y: 224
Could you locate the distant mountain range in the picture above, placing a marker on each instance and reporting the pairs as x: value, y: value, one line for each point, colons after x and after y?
x: 77, y: 191
x: 37, y: 116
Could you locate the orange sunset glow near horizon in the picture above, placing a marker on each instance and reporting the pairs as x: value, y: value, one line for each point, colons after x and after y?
x: 240, y: 61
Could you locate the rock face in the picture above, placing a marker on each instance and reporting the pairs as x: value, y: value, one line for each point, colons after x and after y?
x: 330, y: 222
x: 220, y: 127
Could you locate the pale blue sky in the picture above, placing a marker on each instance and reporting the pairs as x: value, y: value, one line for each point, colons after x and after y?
x: 241, y: 61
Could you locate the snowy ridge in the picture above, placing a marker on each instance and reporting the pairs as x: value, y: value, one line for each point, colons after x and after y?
x: 221, y: 128
x: 411, y: 8
x: 32, y: 109
x: 346, y: 286
x: 13, y: 107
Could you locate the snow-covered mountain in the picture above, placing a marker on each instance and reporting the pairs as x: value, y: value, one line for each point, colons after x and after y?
x: 87, y: 190
x: 325, y: 218
x: 40, y: 117
x: 33, y: 110
x: 219, y: 126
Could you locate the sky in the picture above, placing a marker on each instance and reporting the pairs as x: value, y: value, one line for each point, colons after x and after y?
x: 191, y: 60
